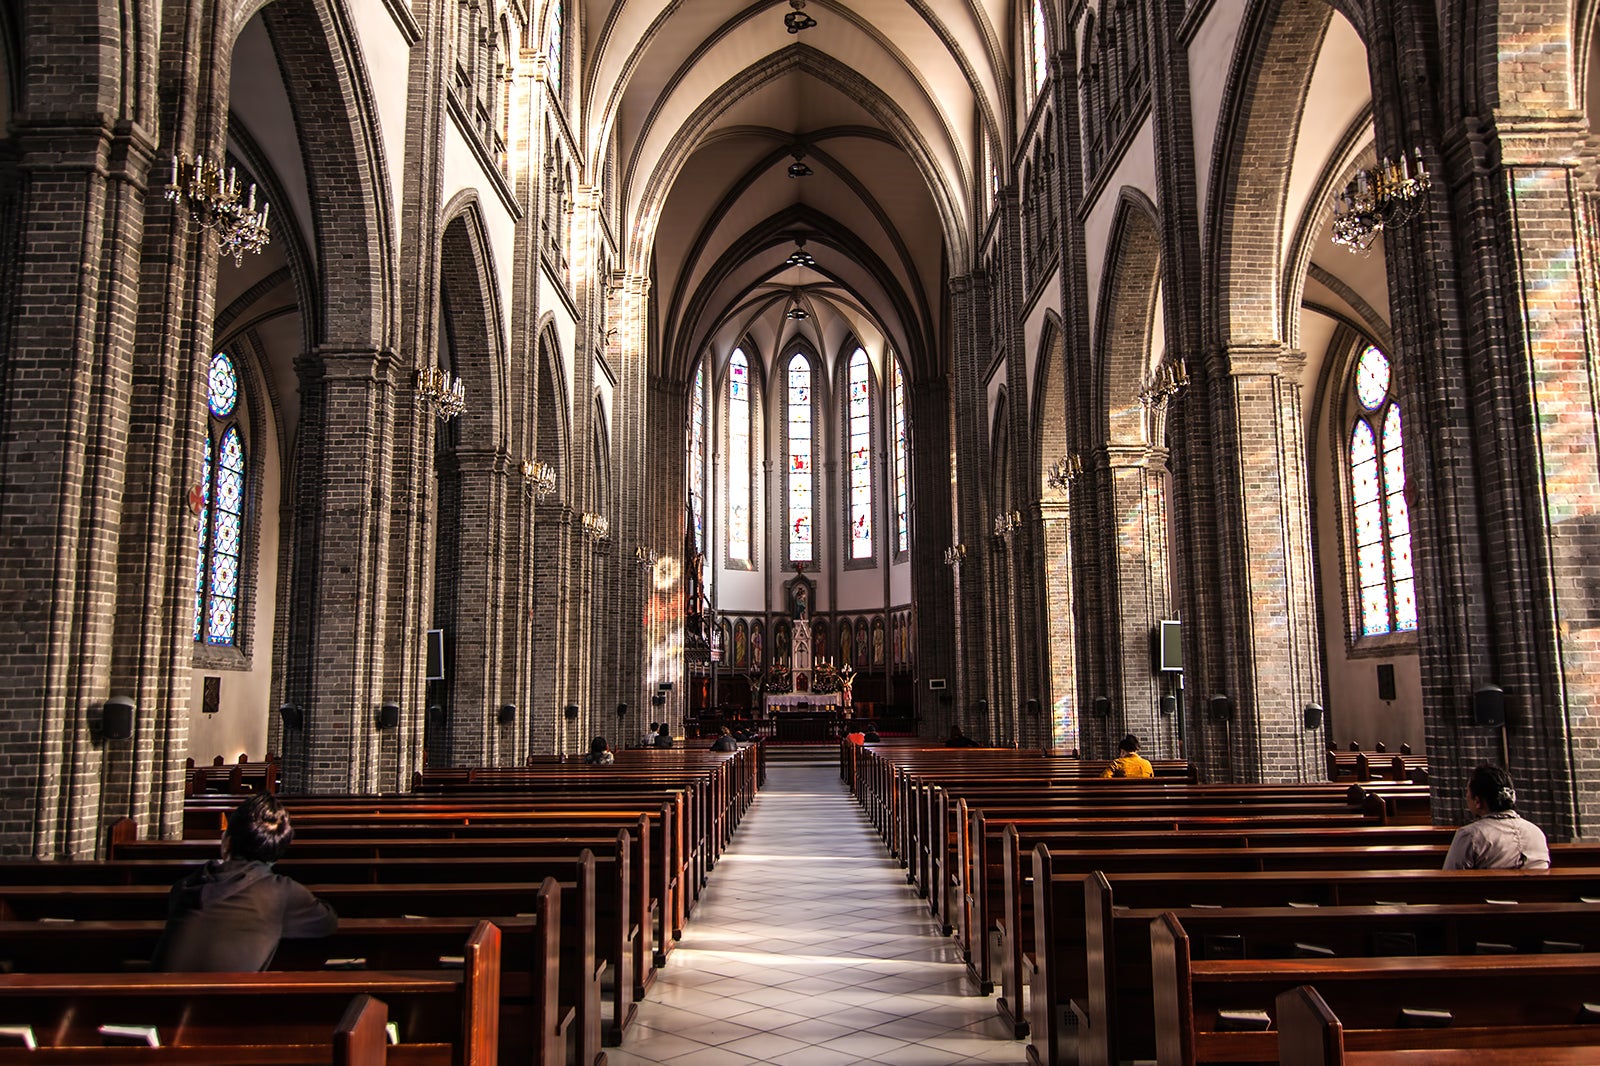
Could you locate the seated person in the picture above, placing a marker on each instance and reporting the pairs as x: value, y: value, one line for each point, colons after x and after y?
x: 1129, y: 763
x: 870, y: 736
x: 649, y: 740
x: 664, y: 736
x: 725, y: 741
x: 228, y: 916
x: 958, y: 739
x: 599, y: 753
x: 1498, y: 838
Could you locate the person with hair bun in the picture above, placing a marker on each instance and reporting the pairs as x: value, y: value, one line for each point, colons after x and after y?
x: 1498, y: 838
x: 228, y: 916
x: 1129, y: 763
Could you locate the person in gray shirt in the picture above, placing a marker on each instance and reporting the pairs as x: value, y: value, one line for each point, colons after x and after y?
x: 1498, y: 838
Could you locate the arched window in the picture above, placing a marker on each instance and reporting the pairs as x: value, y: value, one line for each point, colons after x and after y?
x: 553, y: 50
x: 1039, y: 47
x: 902, y: 521
x: 697, y: 458
x: 221, y: 524
x: 738, y: 457
x: 860, y: 464
x: 1387, y: 590
x: 801, y: 489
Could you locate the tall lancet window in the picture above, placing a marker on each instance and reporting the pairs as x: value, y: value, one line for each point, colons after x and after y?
x: 221, y: 504
x: 801, y: 490
x: 860, y: 457
x: 901, y: 496
x: 1387, y: 589
x: 1038, y: 46
x: 738, y: 457
x: 697, y: 457
x: 553, y: 50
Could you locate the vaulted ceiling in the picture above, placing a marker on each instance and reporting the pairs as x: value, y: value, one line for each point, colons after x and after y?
x: 890, y: 104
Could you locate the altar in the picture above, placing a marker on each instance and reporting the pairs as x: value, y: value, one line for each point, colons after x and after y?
x: 813, y: 701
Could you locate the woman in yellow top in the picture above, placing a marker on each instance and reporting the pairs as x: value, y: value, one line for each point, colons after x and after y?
x: 1129, y: 763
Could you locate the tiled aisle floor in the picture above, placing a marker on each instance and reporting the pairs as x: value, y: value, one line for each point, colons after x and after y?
x: 808, y: 948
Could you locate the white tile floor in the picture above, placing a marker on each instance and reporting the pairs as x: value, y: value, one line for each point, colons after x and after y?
x: 808, y: 948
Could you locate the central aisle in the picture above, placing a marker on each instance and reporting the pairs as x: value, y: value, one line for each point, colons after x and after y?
x: 808, y: 948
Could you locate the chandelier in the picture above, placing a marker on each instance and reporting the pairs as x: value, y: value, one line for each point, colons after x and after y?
x: 801, y: 257
x: 1169, y: 379
x: 1065, y: 471
x: 1388, y: 195
x: 213, y: 203
x: 538, y: 477
x: 1007, y: 522
x: 954, y: 554
x: 442, y: 391
x: 647, y: 558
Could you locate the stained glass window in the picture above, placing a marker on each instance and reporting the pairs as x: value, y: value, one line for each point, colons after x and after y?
x: 800, y: 479
x: 221, y: 502
x: 1040, y: 49
x: 739, y: 456
x: 697, y: 458
x: 553, y: 49
x: 860, y: 458
x: 1382, y: 526
x: 902, y: 521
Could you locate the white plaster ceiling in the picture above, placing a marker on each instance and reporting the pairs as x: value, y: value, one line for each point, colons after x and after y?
x: 706, y: 103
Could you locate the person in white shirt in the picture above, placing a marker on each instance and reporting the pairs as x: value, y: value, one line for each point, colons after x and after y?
x: 1498, y: 838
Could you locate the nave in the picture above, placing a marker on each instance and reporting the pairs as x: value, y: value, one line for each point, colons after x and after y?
x: 808, y: 948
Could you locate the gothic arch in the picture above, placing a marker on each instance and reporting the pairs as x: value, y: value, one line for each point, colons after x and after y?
x: 470, y: 304
x: 552, y: 424
x: 1126, y: 311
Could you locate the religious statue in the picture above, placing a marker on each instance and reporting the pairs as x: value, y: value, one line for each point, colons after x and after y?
x: 802, y: 600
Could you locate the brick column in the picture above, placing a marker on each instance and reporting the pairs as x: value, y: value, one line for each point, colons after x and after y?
x: 1138, y: 478
x: 933, y: 588
x: 477, y: 627
x: 970, y: 509
x: 1062, y: 708
x: 1273, y: 657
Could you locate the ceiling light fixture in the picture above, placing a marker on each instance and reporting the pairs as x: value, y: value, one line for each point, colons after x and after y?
x: 798, y: 169
x: 798, y: 313
x: 801, y: 257
x: 797, y: 20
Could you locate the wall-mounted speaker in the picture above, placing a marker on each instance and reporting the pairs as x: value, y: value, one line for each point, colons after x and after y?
x: 1386, y: 682
x: 1169, y: 705
x: 657, y: 700
x: 1489, y: 707
x: 571, y: 712
x: 1102, y: 706
x: 982, y: 709
x: 1032, y: 708
x: 388, y: 716
x: 622, y: 710
x: 293, y: 717
x: 1221, y: 707
x: 116, y: 718
x: 507, y: 714
x: 436, y: 714
x: 1313, y: 716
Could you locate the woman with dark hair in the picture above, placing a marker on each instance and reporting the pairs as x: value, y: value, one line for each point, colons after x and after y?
x: 1129, y: 763
x: 599, y: 753
x: 1498, y: 838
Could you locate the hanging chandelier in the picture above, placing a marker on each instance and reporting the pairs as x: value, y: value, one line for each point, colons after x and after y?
x: 443, y: 391
x: 538, y: 478
x: 214, y: 203
x: 1386, y: 196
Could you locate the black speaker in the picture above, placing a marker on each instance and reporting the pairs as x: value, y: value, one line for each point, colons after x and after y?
x: 657, y: 700
x: 436, y: 714
x: 1169, y: 705
x: 571, y: 712
x: 1488, y: 707
x: 507, y: 714
x: 293, y: 717
x: 1386, y: 681
x: 982, y: 710
x: 388, y: 716
x: 622, y: 710
x: 116, y: 718
x: 1102, y: 706
x: 1033, y: 708
x: 1313, y: 715
x: 1221, y: 708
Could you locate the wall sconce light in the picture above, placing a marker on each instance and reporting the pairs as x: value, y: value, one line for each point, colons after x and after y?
x: 1386, y: 196
x: 538, y: 478
x: 1007, y: 522
x: 1169, y: 378
x: 442, y: 391
x: 1065, y: 471
x: 597, y: 527
x: 954, y: 554
x: 647, y: 557
x: 213, y: 203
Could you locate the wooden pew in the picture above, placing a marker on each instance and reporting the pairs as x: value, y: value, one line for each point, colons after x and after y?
x: 1195, y: 1000
x: 1058, y: 968
x: 579, y: 972
x: 442, y: 1016
x: 1310, y: 1034
x: 362, y: 1035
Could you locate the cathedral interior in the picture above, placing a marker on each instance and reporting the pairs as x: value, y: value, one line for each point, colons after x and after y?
x: 390, y: 382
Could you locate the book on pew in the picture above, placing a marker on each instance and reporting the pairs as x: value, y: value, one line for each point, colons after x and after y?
x: 391, y: 1032
x: 345, y: 964
x: 1502, y: 902
x: 1561, y: 947
x: 1243, y: 1021
x: 1420, y: 1018
x: 452, y: 962
x: 1303, y: 950
x: 131, y: 1035
x: 1493, y: 947
x: 1589, y: 1014
x: 1303, y: 906
x: 18, y: 1036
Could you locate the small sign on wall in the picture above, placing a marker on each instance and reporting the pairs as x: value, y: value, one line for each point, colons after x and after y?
x: 211, y: 695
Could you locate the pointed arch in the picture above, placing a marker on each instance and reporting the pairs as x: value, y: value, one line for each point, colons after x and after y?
x: 470, y: 322
x: 1126, y: 314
